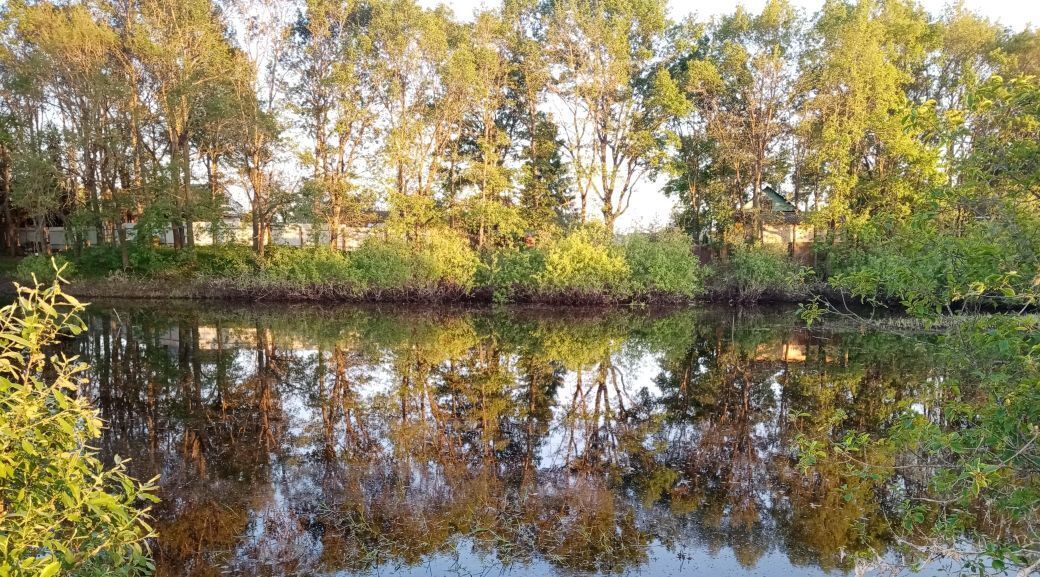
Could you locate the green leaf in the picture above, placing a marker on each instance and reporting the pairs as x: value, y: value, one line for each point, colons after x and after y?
x: 51, y: 569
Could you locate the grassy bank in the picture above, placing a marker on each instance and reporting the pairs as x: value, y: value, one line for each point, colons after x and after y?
x: 582, y: 268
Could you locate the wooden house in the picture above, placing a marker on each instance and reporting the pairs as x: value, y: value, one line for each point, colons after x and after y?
x: 782, y: 224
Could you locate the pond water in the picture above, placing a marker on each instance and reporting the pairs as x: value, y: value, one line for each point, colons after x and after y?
x: 429, y: 441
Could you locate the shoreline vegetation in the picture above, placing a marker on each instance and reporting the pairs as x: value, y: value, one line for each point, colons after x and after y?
x: 257, y: 290
x: 585, y: 268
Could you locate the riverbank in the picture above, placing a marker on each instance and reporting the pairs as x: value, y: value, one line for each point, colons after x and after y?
x: 257, y: 290
x: 582, y: 268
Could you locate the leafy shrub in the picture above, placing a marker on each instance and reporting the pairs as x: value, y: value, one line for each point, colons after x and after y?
x: 751, y: 271
x: 225, y: 261
x: 41, y: 267
x: 99, y: 261
x: 221, y: 261
x: 928, y: 270
x: 503, y: 225
x: 584, y: 261
x: 382, y: 264
x: 663, y: 262
x: 507, y: 271
x: 63, y: 511
x: 306, y: 265
x: 144, y: 261
x: 446, y: 257
x: 159, y: 262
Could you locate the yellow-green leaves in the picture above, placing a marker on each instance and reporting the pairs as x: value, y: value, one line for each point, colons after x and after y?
x: 61, y: 509
x: 584, y: 261
x: 51, y: 569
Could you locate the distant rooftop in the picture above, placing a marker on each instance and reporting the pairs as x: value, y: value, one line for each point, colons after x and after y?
x: 779, y: 202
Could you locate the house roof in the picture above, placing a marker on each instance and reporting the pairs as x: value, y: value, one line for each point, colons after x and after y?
x: 778, y: 202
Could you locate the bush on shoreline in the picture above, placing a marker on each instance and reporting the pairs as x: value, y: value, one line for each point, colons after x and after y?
x: 584, y: 261
x: 663, y: 263
x: 585, y: 266
x: 928, y: 272
x: 751, y: 273
x: 42, y: 269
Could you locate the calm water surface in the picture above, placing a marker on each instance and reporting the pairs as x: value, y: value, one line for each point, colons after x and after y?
x: 423, y: 441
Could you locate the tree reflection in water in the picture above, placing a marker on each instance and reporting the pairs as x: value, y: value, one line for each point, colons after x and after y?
x: 305, y: 440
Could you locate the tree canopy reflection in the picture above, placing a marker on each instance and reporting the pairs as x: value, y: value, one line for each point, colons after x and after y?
x: 313, y: 440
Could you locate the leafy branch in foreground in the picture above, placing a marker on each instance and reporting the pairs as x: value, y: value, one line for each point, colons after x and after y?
x: 61, y: 509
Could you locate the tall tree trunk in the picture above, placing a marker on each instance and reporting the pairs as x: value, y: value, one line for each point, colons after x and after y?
x: 176, y: 219
x: 255, y: 221
x: 9, y: 239
x: 337, y: 210
x: 124, y: 252
x: 178, y: 232
x: 609, y: 217
x: 756, y: 203
x: 213, y: 184
x: 259, y: 211
x: 189, y: 217
x: 90, y: 183
x: 42, y: 236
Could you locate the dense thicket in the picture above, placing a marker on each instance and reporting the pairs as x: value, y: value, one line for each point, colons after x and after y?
x: 907, y: 139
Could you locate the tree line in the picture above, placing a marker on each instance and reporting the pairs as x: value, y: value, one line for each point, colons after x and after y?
x: 534, y: 117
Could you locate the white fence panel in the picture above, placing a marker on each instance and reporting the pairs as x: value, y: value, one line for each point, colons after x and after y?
x: 289, y: 234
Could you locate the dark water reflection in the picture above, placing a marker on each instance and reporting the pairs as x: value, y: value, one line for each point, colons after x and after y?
x: 389, y: 441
